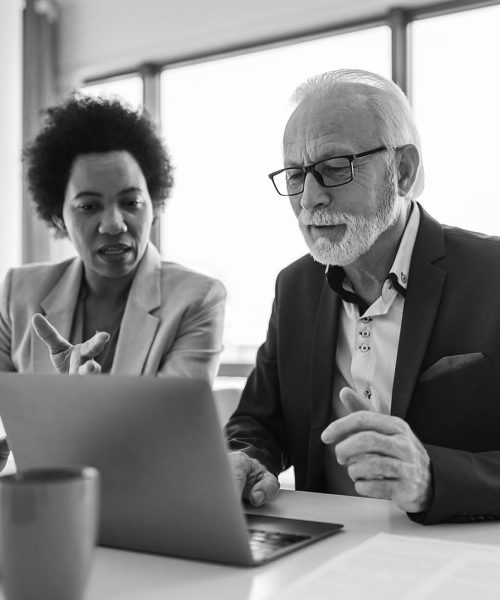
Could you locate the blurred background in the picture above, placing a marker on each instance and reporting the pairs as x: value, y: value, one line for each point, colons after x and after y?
x: 217, y: 76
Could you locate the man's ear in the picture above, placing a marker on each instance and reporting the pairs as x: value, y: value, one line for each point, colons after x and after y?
x: 407, y: 160
x: 59, y: 223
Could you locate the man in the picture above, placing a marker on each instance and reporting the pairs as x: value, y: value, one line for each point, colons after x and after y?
x: 378, y: 378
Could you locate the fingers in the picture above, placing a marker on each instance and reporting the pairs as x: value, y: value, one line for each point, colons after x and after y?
x: 407, y: 484
x: 372, y: 442
x: 353, y: 401
x: 383, y: 456
x: 94, y: 346
x: 67, y: 358
x: 237, y: 462
x: 82, y: 354
x: 362, y: 420
x: 49, y: 334
x: 373, y: 466
x: 255, y: 482
x: 266, y: 489
x: 91, y: 367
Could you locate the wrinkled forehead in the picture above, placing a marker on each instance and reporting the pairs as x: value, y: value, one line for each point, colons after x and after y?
x: 319, y: 127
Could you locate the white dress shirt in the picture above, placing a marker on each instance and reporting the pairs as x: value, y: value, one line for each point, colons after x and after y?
x: 367, y: 346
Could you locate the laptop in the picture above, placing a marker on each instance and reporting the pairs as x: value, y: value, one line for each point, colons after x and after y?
x: 166, y: 482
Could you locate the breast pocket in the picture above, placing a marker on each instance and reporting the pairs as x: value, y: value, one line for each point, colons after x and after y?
x: 459, y: 409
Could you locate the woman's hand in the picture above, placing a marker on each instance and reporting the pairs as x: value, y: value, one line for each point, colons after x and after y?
x: 65, y: 357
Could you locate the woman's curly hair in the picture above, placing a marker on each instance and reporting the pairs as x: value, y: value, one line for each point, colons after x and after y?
x: 82, y: 125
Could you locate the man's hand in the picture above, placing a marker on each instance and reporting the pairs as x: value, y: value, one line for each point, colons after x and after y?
x: 65, y: 357
x: 255, y: 482
x: 383, y: 456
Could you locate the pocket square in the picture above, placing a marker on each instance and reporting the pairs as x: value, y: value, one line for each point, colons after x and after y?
x: 448, y: 364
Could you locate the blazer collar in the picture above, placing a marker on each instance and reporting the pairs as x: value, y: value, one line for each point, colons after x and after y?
x: 59, y: 308
x: 139, y: 326
x: 59, y: 304
x: 423, y: 295
x: 421, y: 304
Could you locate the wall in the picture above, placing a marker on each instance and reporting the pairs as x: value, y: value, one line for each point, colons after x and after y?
x: 103, y: 36
x: 10, y: 132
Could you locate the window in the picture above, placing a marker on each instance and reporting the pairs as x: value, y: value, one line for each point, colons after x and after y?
x: 127, y: 88
x: 455, y: 95
x: 223, y: 122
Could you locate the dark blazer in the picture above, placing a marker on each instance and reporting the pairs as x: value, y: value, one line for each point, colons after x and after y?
x: 452, y: 308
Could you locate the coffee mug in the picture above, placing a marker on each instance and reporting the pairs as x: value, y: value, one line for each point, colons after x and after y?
x: 48, y: 530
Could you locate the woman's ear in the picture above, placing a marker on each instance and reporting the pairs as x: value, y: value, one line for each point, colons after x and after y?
x: 59, y: 223
x: 156, y: 213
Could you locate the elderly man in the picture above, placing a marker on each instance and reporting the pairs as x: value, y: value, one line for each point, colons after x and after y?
x: 380, y: 372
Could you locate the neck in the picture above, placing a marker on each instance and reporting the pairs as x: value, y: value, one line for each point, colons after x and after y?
x: 110, y: 291
x: 369, y: 272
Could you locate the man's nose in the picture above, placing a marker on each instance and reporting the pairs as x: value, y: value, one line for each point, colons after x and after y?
x: 314, y: 193
x: 112, y: 222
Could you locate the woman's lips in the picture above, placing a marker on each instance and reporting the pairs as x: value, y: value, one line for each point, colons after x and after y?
x: 114, y: 250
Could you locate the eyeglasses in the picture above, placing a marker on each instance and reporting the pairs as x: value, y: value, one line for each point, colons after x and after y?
x: 330, y: 173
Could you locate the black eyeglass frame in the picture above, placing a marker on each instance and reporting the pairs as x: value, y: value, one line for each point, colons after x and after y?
x: 317, y: 176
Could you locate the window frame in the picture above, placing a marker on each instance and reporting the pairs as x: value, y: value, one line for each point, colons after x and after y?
x: 399, y: 21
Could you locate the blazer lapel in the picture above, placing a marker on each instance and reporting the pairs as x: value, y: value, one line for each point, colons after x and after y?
x: 421, y: 304
x: 59, y: 308
x: 321, y: 372
x: 139, y: 326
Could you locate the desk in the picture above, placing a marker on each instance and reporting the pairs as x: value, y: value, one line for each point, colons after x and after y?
x: 121, y: 575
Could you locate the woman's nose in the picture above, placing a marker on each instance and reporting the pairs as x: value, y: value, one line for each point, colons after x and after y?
x: 112, y: 222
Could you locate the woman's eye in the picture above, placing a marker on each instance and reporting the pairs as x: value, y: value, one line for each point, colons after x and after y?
x: 133, y: 202
x: 87, y: 206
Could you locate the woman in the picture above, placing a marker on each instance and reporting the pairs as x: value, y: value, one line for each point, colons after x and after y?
x: 99, y: 174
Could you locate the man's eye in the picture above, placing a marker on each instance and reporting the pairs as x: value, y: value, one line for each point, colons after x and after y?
x: 294, y: 176
x: 335, y: 170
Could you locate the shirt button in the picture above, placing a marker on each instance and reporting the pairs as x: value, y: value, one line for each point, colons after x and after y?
x: 365, y: 333
x: 367, y: 392
x: 404, y: 278
x: 364, y: 347
x: 366, y: 319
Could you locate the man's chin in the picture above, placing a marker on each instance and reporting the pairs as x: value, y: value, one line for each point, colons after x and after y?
x: 326, y: 253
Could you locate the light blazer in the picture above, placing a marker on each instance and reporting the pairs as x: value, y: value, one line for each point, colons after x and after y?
x: 172, y: 323
x: 452, y: 308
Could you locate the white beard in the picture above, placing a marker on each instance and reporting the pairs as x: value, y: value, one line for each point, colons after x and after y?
x: 361, y: 232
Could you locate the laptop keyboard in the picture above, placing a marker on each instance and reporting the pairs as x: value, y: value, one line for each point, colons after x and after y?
x: 264, y: 543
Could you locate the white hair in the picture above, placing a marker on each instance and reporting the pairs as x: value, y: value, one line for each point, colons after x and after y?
x: 392, y: 111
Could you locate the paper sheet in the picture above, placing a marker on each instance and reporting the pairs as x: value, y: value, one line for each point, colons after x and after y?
x: 393, y: 567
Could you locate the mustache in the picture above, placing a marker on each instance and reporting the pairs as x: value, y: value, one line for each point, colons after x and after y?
x: 323, y: 217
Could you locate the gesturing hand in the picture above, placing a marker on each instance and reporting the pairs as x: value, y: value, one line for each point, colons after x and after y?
x: 383, y: 456
x: 65, y: 357
x: 255, y: 482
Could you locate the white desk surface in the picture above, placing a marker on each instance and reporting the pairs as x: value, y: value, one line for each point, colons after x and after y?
x: 122, y: 575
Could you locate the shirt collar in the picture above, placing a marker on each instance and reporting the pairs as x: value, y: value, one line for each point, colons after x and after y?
x: 398, y: 274
x: 401, y: 265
